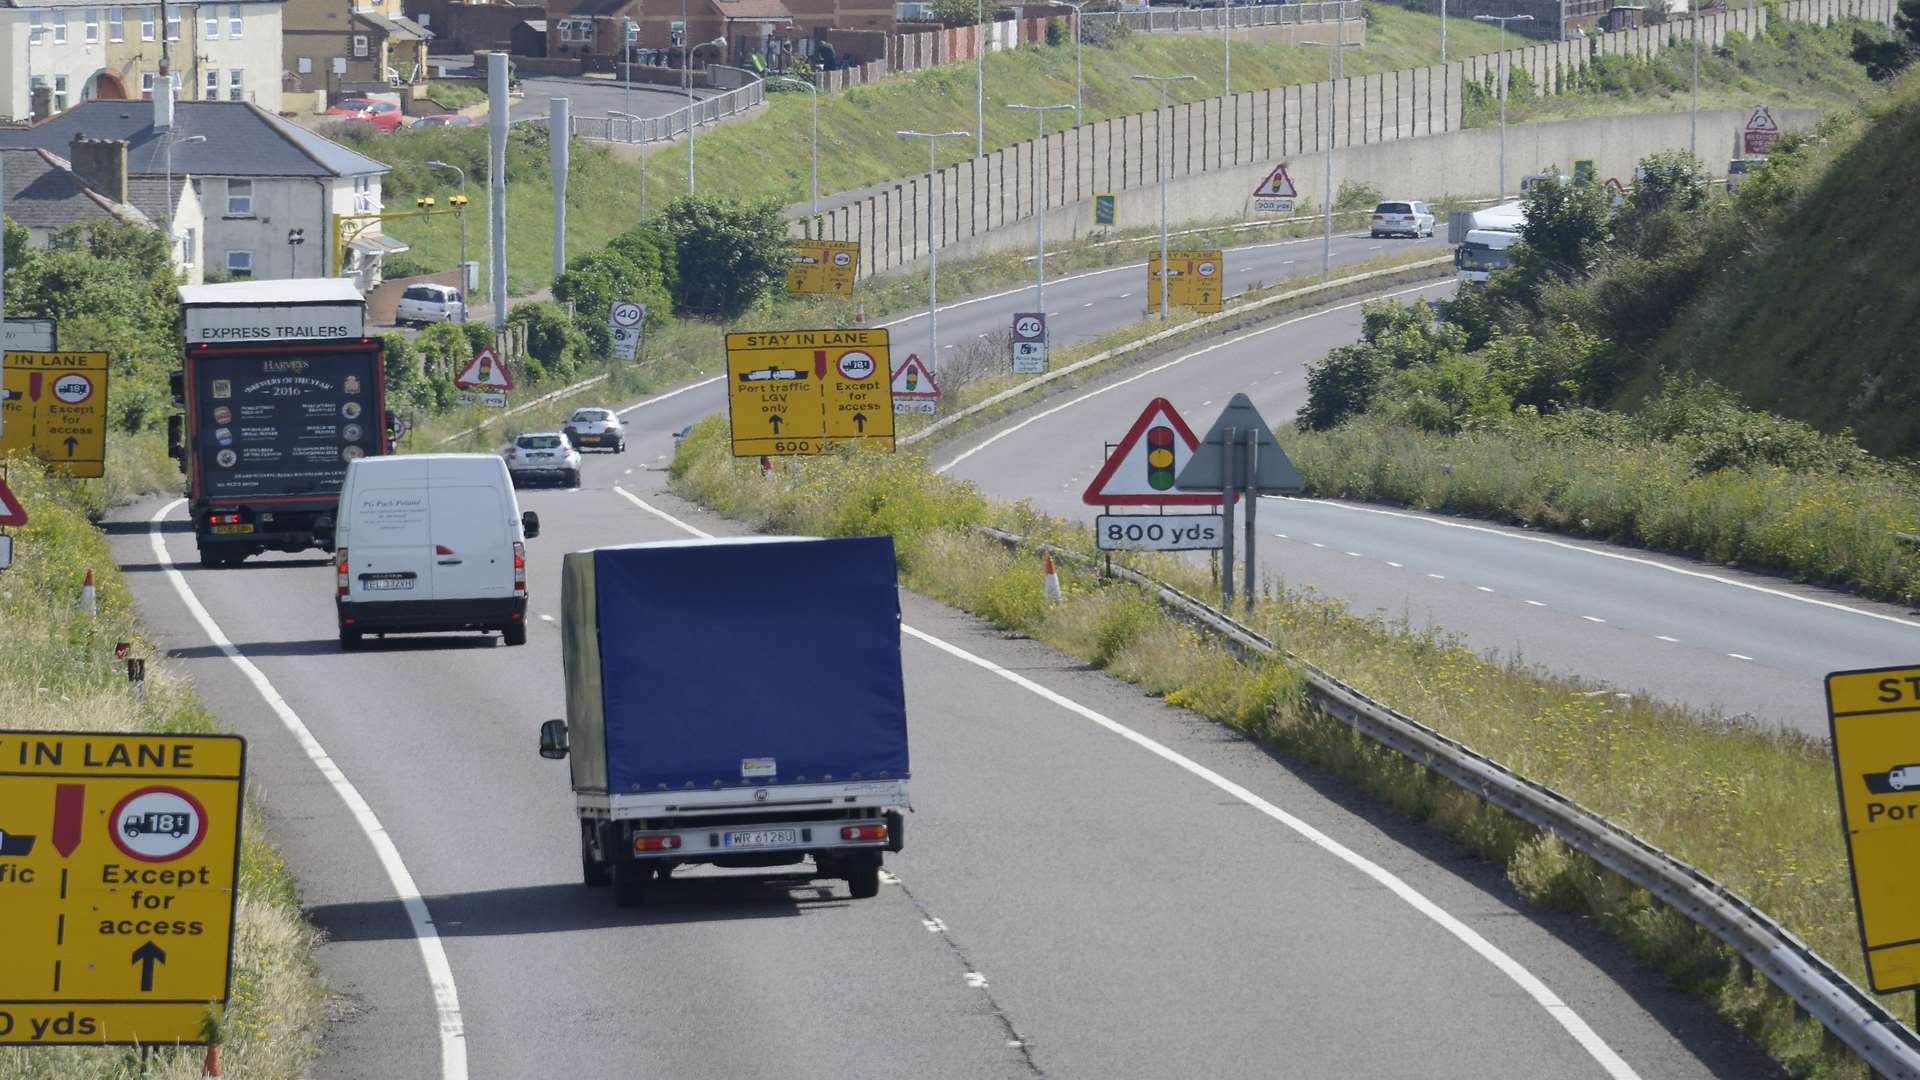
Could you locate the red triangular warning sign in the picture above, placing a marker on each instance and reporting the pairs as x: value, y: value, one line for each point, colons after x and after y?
x: 12, y: 514
x: 1277, y: 185
x: 485, y: 373
x: 913, y: 381
x: 1761, y: 120
x: 1141, y: 469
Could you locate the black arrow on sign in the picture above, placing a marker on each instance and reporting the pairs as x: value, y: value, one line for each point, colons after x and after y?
x: 71, y: 443
x: 860, y: 422
x: 146, y: 956
x: 775, y: 421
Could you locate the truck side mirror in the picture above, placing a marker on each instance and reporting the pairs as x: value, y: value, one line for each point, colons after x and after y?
x: 177, y: 386
x: 176, y: 435
x: 530, y: 524
x: 553, y: 739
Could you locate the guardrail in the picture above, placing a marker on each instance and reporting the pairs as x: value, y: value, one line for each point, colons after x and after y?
x: 620, y: 128
x: 1211, y: 18
x: 1850, y: 1015
x: 524, y: 406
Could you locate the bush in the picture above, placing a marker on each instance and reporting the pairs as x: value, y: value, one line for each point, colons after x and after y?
x: 554, y: 343
x: 728, y: 254
x: 1356, y: 195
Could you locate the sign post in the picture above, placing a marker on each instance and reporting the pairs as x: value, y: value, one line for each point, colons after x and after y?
x: 1874, y: 718
x: 55, y: 404
x: 1239, y: 454
x: 1762, y: 133
x: 1030, y: 343
x: 121, y: 857
x: 808, y: 391
x: 625, y: 321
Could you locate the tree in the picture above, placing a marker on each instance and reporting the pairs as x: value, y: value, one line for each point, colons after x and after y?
x: 1392, y: 339
x: 554, y: 344
x: 956, y: 12
x: 729, y: 254
x: 1567, y: 228
x: 1668, y: 180
x: 594, y: 282
x: 1885, y: 59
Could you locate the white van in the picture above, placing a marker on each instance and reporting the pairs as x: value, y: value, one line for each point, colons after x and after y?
x: 428, y: 542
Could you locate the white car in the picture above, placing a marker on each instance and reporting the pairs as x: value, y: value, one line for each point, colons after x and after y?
x: 597, y: 427
x: 544, y: 455
x: 1401, y: 219
x: 428, y: 303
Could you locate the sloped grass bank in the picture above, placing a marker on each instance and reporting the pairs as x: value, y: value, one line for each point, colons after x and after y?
x: 1753, y: 809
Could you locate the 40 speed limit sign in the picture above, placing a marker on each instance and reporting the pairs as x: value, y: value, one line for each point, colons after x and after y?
x: 1157, y: 532
x: 1030, y: 343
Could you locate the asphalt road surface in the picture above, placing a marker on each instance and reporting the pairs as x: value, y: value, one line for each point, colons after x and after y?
x: 598, y: 97
x: 1095, y: 885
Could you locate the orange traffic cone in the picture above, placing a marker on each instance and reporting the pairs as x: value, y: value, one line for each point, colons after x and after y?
x: 211, y: 1070
x: 89, y: 599
x: 1054, y: 596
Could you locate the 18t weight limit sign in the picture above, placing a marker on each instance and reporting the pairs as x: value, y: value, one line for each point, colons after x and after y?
x: 1161, y: 532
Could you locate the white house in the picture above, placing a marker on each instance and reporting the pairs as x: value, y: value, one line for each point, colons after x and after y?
x: 47, y: 193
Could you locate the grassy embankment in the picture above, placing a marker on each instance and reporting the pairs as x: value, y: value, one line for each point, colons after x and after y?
x: 1753, y: 809
x: 56, y: 673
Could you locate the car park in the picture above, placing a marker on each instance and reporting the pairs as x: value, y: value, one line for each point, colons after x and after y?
x: 427, y: 302
x: 1403, y: 218
x: 543, y: 455
x: 597, y: 427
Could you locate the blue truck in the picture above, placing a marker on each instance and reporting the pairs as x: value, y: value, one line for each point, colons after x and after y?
x: 736, y: 702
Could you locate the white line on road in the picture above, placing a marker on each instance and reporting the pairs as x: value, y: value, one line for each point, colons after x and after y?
x: 1536, y: 603
x: 669, y: 394
x: 1593, y: 618
x: 544, y: 617
x: 1438, y: 577
x: 1395, y: 565
x: 1737, y: 656
x: 1483, y: 588
x: 1354, y: 554
x: 659, y: 513
x: 446, y: 999
x: 1665, y: 638
x: 1316, y: 543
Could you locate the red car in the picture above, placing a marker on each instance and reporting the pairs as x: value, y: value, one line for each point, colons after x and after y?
x: 384, y: 115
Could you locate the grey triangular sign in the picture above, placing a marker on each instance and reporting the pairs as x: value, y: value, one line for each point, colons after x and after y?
x: 1273, y: 474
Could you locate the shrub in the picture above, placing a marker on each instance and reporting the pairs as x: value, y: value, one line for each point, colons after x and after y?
x: 554, y: 343
x: 728, y: 253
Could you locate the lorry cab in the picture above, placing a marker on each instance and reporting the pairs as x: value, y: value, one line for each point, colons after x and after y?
x: 430, y: 542
x: 1483, y: 252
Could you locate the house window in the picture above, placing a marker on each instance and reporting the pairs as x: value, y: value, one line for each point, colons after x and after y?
x: 240, y: 264
x: 93, y: 26
x: 363, y: 202
x: 146, y: 24
x: 210, y: 23
x: 187, y: 238
x: 212, y: 91
x: 236, y: 86
x: 239, y: 198
x: 173, y: 24
x: 59, y: 93
x: 146, y: 86
x: 59, y: 27
x: 116, y: 25
x: 306, y: 65
x: 233, y: 21
x: 576, y: 31
x: 360, y: 46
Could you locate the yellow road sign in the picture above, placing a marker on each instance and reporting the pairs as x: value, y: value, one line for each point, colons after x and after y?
x: 823, y: 266
x: 118, y: 854
x: 805, y: 391
x: 56, y: 409
x: 1193, y: 280
x: 1875, y: 721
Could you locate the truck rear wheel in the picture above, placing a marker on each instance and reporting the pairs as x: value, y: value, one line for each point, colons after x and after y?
x: 863, y: 879
x: 215, y: 557
x: 630, y: 878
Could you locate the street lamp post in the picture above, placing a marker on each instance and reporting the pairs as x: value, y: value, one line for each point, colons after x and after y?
x: 979, y: 82
x: 814, y: 139
x: 171, y: 139
x: 1326, y: 235
x: 1503, y: 20
x: 1040, y: 202
x: 1226, y: 38
x: 462, y: 173
x: 626, y: 61
x: 1693, y: 118
x: 641, y: 155
x: 933, y: 250
x: 295, y: 237
x: 1161, y: 175
x: 1076, y: 58
x: 687, y: 62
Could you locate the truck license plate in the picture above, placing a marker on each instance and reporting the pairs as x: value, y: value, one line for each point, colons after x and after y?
x: 386, y: 581
x: 763, y: 838
x: 226, y: 530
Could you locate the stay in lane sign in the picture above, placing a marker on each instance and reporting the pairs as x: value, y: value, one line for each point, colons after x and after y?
x: 806, y: 391
x: 1193, y: 280
x: 56, y: 410
x: 118, y: 856
x: 1875, y: 723
x: 823, y: 266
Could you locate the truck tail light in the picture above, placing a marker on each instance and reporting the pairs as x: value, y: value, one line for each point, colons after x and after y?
x: 519, y: 567
x: 341, y: 580
x: 223, y: 519
x: 864, y: 832
x: 656, y: 843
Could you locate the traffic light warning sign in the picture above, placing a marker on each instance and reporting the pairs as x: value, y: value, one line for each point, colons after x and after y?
x: 1141, y: 469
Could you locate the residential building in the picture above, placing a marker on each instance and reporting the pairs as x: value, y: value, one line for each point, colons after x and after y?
x: 328, y: 43
x: 78, y: 51
x: 261, y: 181
x: 47, y: 193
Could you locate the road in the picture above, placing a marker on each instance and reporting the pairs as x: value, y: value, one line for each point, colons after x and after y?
x: 598, y: 97
x: 1094, y: 884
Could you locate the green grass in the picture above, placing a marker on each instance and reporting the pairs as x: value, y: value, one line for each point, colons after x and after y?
x: 1795, y: 65
x: 1753, y: 809
x: 57, y: 673
x: 455, y: 96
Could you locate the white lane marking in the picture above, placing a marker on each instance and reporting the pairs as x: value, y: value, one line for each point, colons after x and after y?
x: 1737, y: 656
x: 1395, y: 565
x: 1157, y: 368
x: 1124, y: 295
x: 1206, y: 403
x: 1560, y: 1011
x: 1654, y: 563
x: 1316, y: 543
x: 1354, y: 554
x: 433, y: 955
x: 1593, y: 618
x: 1438, y: 577
x: 1282, y: 536
x: 1087, y: 304
x: 976, y: 981
x: 669, y: 394
x: 1536, y: 603
x: 1483, y: 588
x: 544, y: 617
x: 934, y: 926
x: 659, y: 513
x: 1669, y: 640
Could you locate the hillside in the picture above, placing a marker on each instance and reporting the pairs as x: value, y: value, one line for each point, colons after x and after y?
x: 1818, y: 315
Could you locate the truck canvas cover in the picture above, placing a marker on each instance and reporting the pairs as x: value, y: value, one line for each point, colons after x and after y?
x: 733, y: 662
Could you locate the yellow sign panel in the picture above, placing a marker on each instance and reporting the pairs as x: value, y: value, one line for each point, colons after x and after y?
x: 118, y: 854
x: 806, y: 391
x: 56, y: 409
x: 823, y: 266
x: 1193, y: 280
x: 1875, y: 718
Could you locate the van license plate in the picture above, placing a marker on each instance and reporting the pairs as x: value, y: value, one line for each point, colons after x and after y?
x: 386, y: 581
x: 763, y: 838
x: 228, y: 530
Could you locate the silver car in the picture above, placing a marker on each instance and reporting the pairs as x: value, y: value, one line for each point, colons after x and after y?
x: 429, y: 303
x: 544, y: 455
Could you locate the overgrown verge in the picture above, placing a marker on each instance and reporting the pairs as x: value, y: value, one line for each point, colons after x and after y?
x: 1753, y: 809
x: 56, y: 673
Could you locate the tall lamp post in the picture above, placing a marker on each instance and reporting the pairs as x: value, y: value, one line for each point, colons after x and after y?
x: 1693, y: 118
x: 1334, y: 49
x: 171, y: 139
x: 460, y: 201
x: 295, y: 237
x: 626, y: 61
x: 979, y: 82
x: 1161, y: 174
x: 1076, y: 58
x: 814, y: 139
x: 933, y: 250
x: 687, y: 62
x: 1226, y: 37
x: 1503, y: 20
x: 1040, y: 203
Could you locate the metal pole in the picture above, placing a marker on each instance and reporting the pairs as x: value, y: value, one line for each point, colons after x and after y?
x: 559, y: 128
x: 1247, y: 559
x: 626, y: 62
x: 497, y: 184
x: 1228, y: 459
x: 979, y: 82
x: 686, y: 69
x: 1326, y: 231
x: 1443, y: 33
x: 1076, y: 65
x: 1503, y: 20
x: 933, y: 250
x: 1693, y: 117
x: 1226, y: 35
x: 1040, y: 200
x: 1161, y: 174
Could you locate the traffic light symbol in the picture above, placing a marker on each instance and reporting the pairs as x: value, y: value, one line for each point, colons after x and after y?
x: 1160, y: 458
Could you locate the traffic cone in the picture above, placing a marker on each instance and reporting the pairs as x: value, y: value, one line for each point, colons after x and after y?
x: 89, y: 599
x: 211, y: 1070
x: 1054, y: 595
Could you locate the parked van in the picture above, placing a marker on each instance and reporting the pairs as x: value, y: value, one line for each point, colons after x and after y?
x: 430, y: 542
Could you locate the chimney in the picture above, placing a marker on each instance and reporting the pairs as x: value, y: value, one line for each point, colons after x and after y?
x: 101, y: 164
x: 163, y: 102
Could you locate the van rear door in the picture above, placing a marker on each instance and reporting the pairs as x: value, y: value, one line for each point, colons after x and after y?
x: 470, y: 519
x: 385, y: 507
